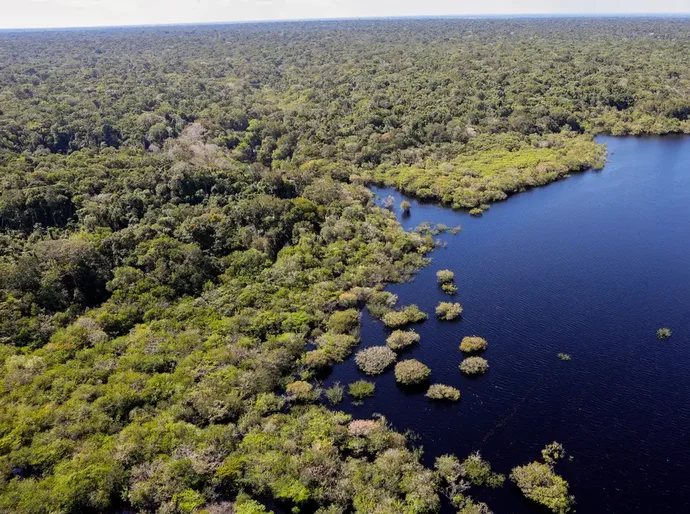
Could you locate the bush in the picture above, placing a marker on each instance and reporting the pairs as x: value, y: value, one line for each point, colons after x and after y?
x: 400, y: 339
x: 361, y: 389
x: 449, y: 288
x: 473, y: 344
x: 405, y: 206
x: 410, y: 372
x: 374, y: 360
x: 408, y: 314
x: 443, y: 392
x: 553, y: 452
x: 663, y: 333
x: 446, y: 311
x: 474, y: 366
x: 334, y: 394
x: 541, y: 484
x: 300, y: 390
x: 564, y: 356
x: 477, y: 212
x: 445, y: 276
x: 344, y: 322
x: 478, y: 472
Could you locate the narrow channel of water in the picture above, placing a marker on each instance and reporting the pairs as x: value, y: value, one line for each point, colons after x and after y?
x: 590, y: 266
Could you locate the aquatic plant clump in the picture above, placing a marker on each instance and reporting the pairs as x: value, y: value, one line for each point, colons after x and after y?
x: 474, y: 366
x: 449, y: 288
x: 408, y: 314
x: 663, y: 333
x: 476, y: 212
x: 361, y: 389
x: 445, y: 276
x: 405, y: 207
x: 411, y: 371
x: 473, y: 344
x: 564, y: 356
x: 541, y: 484
x: 334, y: 394
x: 446, y: 311
x: 401, y: 339
x: 374, y: 360
x: 443, y: 392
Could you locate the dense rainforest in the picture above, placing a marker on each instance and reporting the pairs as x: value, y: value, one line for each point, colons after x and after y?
x: 187, y: 241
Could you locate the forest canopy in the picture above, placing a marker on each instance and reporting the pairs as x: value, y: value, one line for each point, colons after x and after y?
x: 186, y: 236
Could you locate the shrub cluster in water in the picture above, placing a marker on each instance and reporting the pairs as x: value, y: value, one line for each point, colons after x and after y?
x: 474, y: 366
x: 408, y: 314
x: 446, y: 311
x: 443, y: 392
x: 375, y: 360
x: 663, y: 333
x: 411, y: 371
x: 445, y: 276
x: 361, y: 389
x: 401, y: 339
x: 473, y: 344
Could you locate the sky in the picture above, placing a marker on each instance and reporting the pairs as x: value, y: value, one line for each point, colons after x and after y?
x: 85, y: 13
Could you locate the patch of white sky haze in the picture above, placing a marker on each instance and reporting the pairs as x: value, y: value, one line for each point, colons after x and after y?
x: 85, y: 13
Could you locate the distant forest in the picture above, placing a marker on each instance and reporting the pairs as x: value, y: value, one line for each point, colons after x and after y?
x: 187, y: 240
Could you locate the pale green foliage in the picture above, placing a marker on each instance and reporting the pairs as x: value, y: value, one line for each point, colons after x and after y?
x: 564, y: 356
x: 374, y: 360
x: 553, y: 452
x: 410, y: 372
x: 540, y: 483
x: 474, y: 366
x: 478, y: 472
x: 401, y: 339
x: 334, y: 394
x: 663, y: 333
x: 361, y: 389
x: 408, y: 314
x: 473, y: 344
x: 300, y: 390
x: 443, y: 392
x: 445, y: 276
x: 446, y: 311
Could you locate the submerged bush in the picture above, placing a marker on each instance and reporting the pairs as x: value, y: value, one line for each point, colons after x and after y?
x: 447, y: 311
x: 553, y: 452
x: 405, y: 206
x: 478, y: 472
x: 473, y: 344
x: 410, y: 372
x: 361, y: 389
x: 663, y: 333
x: 445, y: 276
x: 400, y: 339
x: 334, y: 394
x: 408, y: 314
x: 474, y: 366
x: 477, y: 212
x: 374, y: 360
x: 449, y: 288
x: 541, y: 484
x: 564, y: 356
x: 443, y: 392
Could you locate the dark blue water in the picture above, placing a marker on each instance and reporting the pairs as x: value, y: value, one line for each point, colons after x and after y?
x: 591, y: 266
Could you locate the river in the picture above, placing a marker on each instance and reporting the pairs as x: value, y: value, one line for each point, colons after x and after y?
x: 590, y: 266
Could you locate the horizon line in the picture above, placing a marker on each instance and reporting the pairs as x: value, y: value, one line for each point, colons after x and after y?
x: 671, y: 14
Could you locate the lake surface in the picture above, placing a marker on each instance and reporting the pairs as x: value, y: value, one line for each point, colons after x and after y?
x: 591, y: 266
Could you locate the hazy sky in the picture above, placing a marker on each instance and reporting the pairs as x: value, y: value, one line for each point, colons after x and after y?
x: 72, y: 13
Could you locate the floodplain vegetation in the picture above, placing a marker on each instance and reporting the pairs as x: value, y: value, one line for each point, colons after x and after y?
x: 186, y: 239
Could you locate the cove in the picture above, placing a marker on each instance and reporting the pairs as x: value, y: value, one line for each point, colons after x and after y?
x: 591, y: 266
